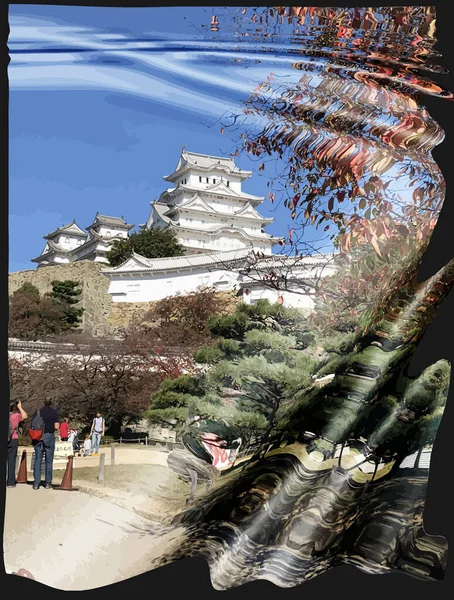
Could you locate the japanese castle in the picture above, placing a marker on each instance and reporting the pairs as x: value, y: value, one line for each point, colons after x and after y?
x: 215, y: 221
x: 208, y: 210
x: 69, y: 242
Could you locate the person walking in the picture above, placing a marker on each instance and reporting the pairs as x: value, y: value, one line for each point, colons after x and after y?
x: 16, y: 415
x: 97, y: 432
x: 46, y: 445
x: 64, y: 430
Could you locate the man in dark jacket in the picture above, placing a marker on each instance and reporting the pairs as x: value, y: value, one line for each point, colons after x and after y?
x: 46, y: 445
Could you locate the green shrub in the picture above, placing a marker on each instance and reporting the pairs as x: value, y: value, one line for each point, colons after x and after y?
x: 229, y: 348
x: 208, y: 356
x: 228, y: 326
x: 183, y: 385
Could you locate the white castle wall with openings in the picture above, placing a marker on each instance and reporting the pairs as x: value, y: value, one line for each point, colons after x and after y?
x: 223, y: 235
x: 143, y: 280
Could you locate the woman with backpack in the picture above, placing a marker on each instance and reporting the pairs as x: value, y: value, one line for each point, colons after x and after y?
x: 16, y: 415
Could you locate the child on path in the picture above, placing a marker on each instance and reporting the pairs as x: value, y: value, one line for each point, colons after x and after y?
x: 87, y: 445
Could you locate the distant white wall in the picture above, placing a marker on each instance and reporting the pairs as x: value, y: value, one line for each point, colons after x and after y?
x: 154, y: 287
x: 61, y: 260
x: 292, y: 300
x: 198, y: 179
x: 213, y: 242
x: 109, y: 232
x: 68, y: 242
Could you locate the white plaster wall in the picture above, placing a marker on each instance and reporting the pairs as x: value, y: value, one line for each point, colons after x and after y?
x: 193, y: 179
x: 224, y: 205
x: 214, y: 242
x: 154, y: 287
x: 235, y: 182
x: 68, y: 242
x: 155, y: 221
x: 110, y: 232
x: 293, y: 300
x: 60, y: 260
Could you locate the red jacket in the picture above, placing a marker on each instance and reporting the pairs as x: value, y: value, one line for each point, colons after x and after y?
x: 64, y: 429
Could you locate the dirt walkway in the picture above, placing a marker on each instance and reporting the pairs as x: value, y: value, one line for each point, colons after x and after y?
x: 79, y: 541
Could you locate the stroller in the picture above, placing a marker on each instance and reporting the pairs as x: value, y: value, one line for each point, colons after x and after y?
x: 74, y: 438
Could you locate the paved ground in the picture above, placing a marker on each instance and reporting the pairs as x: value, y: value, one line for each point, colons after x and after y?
x: 79, y: 541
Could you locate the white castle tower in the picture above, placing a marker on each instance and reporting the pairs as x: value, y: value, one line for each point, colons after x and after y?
x: 207, y: 209
x: 70, y: 243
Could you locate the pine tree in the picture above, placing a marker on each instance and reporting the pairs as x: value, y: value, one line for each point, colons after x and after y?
x: 150, y: 243
x: 67, y: 293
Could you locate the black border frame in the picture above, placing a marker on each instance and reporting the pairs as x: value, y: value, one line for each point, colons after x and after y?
x: 191, y: 576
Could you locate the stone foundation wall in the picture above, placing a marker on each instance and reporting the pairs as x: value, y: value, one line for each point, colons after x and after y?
x: 122, y: 313
x: 94, y: 284
x: 101, y: 316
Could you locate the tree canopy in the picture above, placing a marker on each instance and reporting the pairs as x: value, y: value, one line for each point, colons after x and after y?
x: 33, y: 315
x: 150, y: 243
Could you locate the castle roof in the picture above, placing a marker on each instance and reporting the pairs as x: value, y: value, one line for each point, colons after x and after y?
x: 138, y: 263
x: 71, y: 229
x: 114, y: 222
x: 206, y: 162
x: 197, y: 204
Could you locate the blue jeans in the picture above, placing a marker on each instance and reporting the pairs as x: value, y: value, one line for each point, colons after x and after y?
x: 46, y: 445
x: 12, y: 456
x: 95, y: 441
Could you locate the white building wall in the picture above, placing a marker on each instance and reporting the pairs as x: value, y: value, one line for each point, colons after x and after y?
x: 199, y: 179
x: 218, y: 242
x: 293, y: 300
x: 205, y: 220
x: 67, y: 242
x: 154, y: 287
x: 110, y: 232
x: 61, y: 260
x: 224, y: 204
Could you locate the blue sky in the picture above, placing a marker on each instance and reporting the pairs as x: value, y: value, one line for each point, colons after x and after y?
x: 101, y: 102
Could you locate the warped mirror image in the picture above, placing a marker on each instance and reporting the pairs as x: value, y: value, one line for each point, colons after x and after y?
x: 293, y: 438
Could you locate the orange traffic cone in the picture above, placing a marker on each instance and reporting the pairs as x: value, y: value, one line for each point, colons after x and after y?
x: 22, y: 473
x: 67, y: 481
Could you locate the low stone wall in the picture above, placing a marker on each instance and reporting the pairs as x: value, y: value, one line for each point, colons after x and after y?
x: 101, y: 317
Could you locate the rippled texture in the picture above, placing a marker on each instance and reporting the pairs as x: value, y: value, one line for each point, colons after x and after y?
x: 351, y: 150
x: 326, y: 103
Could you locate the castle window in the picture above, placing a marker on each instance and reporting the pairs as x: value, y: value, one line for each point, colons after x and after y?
x: 208, y: 181
x: 228, y: 183
x: 214, y: 180
x: 200, y: 179
x: 185, y: 181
